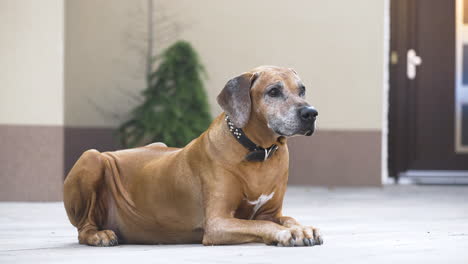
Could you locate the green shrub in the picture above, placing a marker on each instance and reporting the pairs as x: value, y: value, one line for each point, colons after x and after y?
x: 175, y: 108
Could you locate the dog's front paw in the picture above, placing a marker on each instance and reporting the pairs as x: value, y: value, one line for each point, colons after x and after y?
x: 104, y: 238
x: 284, y: 238
x: 299, y: 236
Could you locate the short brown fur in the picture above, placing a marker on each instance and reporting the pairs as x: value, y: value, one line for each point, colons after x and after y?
x: 196, y: 194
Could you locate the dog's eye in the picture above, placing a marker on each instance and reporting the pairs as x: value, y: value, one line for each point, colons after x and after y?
x: 275, y: 92
x: 302, y: 91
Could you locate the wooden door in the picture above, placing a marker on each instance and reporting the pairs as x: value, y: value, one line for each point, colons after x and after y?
x: 426, y: 135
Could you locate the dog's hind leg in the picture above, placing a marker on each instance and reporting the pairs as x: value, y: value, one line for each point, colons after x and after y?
x: 83, y: 189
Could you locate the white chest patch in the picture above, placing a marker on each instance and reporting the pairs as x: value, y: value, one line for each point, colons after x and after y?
x: 263, y: 199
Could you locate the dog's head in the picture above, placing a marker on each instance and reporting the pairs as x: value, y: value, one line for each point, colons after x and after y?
x: 273, y: 95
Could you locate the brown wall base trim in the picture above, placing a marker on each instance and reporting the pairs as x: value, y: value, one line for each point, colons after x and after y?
x: 35, y: 159
x: 80, y: 139
x: 328, y: 158
x: 31, y: 163
x: 336, y: 158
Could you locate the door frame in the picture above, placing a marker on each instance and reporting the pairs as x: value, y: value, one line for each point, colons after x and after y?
x: 402, y: 13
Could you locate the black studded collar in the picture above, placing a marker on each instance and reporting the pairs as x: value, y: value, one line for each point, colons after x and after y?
x: 256, y: 153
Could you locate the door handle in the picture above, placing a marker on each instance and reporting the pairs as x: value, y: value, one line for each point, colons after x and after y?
x: 412, y: 61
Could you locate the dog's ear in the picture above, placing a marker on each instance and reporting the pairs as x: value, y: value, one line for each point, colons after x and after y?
x: 235, y: 100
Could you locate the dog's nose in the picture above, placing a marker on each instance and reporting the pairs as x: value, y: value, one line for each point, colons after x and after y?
x: 308, y: 113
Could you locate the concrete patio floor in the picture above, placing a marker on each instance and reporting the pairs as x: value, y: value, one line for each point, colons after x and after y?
x: 393, y: 224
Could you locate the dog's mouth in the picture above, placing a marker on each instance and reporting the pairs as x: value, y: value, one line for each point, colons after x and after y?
x: 304, y: 130
x: 308, y: 130
x: 308, y: 133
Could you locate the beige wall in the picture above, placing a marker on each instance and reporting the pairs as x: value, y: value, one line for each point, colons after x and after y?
x: 336, y: 46
x: 31, y: 62
x: 103, y: 60
x: 31, y: 100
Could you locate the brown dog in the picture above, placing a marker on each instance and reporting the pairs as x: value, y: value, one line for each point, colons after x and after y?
x: 216, y: 190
